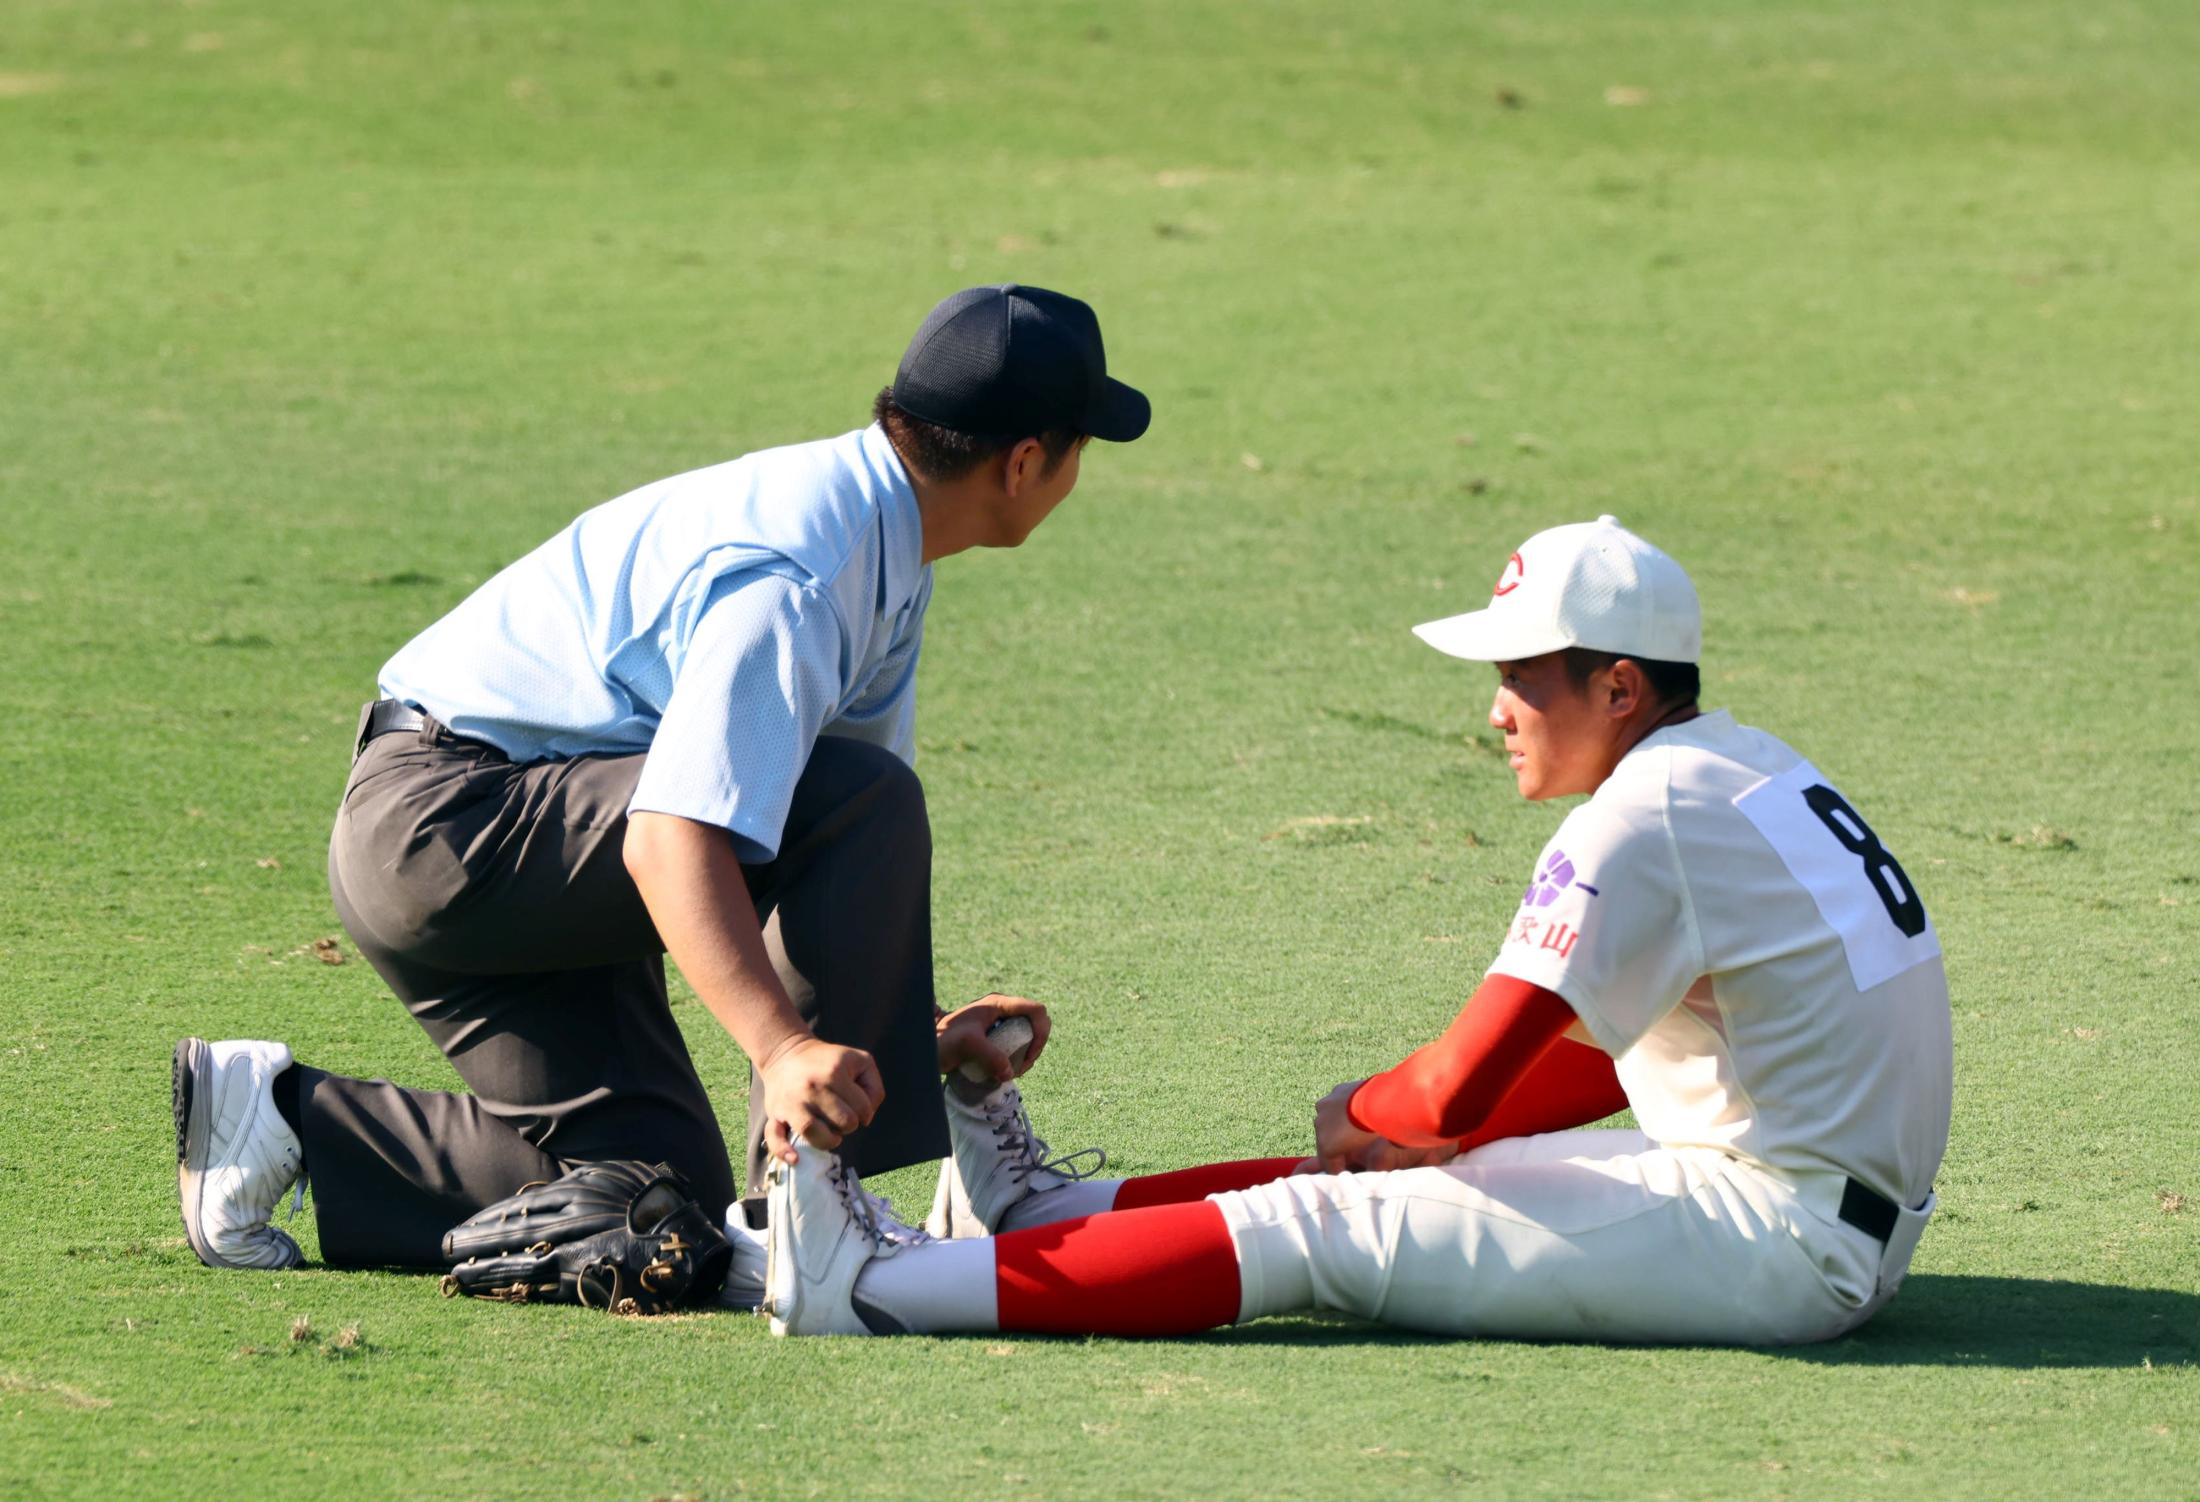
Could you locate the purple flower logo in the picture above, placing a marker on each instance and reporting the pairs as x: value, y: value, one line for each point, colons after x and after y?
x: 1555, y: 877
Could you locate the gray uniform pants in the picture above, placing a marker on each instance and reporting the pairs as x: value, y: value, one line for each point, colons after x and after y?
x: 494, y: 900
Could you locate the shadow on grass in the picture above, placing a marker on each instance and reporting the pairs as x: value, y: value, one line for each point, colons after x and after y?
x: 1951, y: 1320
x: 1937, y: 1320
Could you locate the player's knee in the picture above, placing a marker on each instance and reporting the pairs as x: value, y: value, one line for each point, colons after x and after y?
x: 1314, y: 1241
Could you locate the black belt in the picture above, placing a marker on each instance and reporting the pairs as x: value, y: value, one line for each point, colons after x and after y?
x: 383, y: 716
x: 1869, y: 1211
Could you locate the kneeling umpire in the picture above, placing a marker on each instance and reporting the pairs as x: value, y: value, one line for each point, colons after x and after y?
x: 685, y: 724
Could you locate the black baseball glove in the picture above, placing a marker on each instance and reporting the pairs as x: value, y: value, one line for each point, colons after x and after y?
x: 624, y: 1235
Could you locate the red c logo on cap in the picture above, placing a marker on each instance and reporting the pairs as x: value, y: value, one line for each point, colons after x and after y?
x: 1509, y: 580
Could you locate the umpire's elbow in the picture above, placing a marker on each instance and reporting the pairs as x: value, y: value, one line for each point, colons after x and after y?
x: 643, y: 848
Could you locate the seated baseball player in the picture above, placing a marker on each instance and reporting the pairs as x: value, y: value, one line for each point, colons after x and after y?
x: 1716, y: 938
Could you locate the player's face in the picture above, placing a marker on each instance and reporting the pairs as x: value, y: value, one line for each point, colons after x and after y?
x: 1553, y: 735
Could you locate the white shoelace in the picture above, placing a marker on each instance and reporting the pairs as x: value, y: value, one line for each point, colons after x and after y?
x: 1029, y: 1151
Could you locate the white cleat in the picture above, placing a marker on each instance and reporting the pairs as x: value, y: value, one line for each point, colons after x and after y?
x: 235, y: 1155
x: 998, y: 1162
x: 744, y: 1286
x: 823, y: 1229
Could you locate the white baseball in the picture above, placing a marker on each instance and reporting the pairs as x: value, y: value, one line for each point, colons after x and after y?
x: 1012, y: 1036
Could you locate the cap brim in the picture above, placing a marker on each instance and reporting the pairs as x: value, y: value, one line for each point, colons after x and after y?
x: 1119, y: 413
x: 1487, y: 636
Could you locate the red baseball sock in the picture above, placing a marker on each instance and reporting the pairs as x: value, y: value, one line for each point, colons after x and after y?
x: 1165, y: 1270
x: 1187, y: 1184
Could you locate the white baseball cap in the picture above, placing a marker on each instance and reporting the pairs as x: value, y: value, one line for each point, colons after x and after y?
x: 1589, y: 584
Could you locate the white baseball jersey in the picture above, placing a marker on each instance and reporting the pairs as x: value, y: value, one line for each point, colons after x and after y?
x: 1758, y: 965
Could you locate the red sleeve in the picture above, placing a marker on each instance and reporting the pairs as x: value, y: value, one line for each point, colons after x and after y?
x: 1572, y: 1085
x: 1502, y: 1069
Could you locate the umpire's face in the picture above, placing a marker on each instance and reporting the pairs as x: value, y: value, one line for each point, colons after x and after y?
x: 1030, y: 491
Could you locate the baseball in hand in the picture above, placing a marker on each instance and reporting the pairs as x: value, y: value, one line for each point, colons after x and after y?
x: 1012, y: 1036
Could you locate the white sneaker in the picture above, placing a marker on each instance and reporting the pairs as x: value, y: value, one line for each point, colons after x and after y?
x: 998, y: 1161
x: 823, y: 1229
x: 235, y: 1155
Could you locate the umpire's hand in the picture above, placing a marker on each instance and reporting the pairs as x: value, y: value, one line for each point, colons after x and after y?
x: 817, y: 1091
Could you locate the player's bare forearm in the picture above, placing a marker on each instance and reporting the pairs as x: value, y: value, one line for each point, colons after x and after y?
x: 691, y: 882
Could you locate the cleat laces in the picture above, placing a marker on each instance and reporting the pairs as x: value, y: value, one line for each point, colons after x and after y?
x: 1027, y: 1151
x: 873, y: 1213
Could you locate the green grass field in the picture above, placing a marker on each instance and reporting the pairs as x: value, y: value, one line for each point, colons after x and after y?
x: 1880, y: 316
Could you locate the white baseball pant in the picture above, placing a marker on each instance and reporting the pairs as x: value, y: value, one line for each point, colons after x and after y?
x: 1601, y: 1236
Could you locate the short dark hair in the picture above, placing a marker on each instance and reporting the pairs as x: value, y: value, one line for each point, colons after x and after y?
x: 940, y: 453
x: 1673, y: 682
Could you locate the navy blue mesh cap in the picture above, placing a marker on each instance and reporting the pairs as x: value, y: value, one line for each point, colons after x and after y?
x: 1015, y: 362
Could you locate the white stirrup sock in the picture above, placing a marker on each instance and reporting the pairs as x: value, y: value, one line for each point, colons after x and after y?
x: 933, y: 1288
x: 1067, y: 1202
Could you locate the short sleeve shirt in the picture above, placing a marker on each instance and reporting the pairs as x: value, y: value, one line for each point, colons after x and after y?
x: 718, y: 621
x: 1731, y: 931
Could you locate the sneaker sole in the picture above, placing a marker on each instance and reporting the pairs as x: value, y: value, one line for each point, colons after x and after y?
x: 776, y: 1250
x: 191, y: 1078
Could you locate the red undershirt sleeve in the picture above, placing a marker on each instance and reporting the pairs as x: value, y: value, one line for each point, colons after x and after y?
x: 1570, y: 1086
x: 1502, y: 1069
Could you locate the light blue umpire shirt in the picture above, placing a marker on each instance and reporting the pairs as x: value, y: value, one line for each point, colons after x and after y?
x: 720, y: 620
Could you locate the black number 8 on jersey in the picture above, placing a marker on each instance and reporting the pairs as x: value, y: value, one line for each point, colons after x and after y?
x: 1884, y: 872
